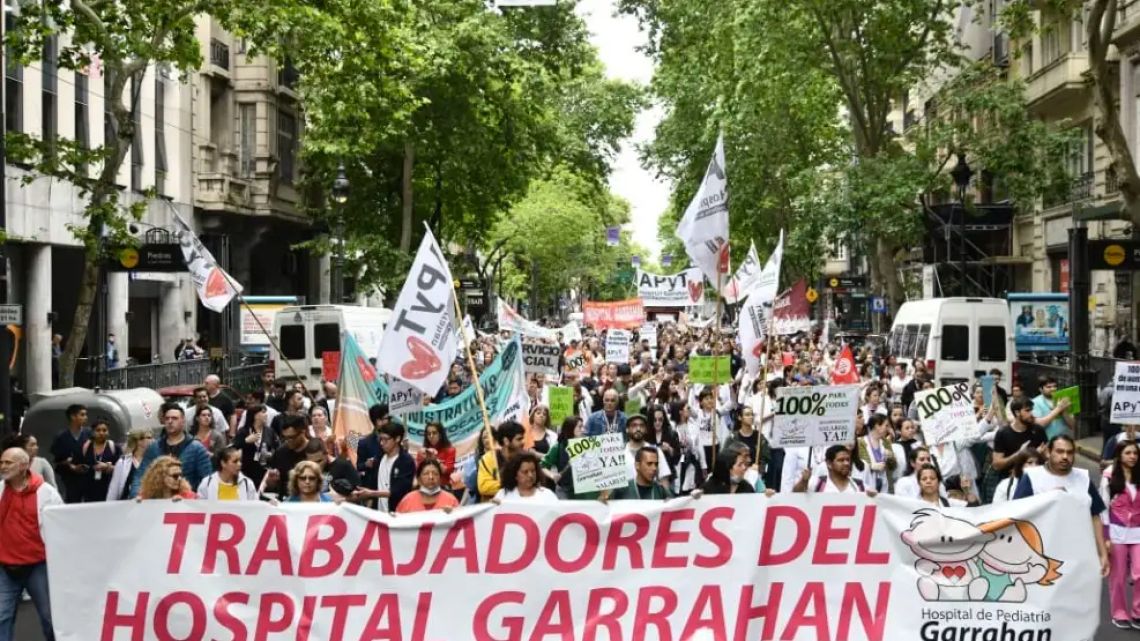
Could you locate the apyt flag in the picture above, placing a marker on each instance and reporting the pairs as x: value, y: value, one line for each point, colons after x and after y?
x: 216, y: 288
x: 744, y: 278
x: 704, y: 227
x: 844, y: 372
x: 420, y: 341
x: 766, y: 285
x: 757, y: 311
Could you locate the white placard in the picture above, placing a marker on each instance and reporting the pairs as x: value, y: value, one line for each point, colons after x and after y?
x: 821, y: 415
x: 648, y: 333
x: 946, y: 414
x: 11, y: 314
x: 598, y: 463
x: 540, y: 358
x: 683, y: 289
x: 403, y: 398
x: 1126, y: 394
x: 617, y: 346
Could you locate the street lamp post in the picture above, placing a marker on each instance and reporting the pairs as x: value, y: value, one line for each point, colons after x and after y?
x: 340, y: 197
x: 962, y: 173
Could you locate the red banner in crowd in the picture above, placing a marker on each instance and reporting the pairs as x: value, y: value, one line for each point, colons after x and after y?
x: 792, y: 311
x: 622, y: 314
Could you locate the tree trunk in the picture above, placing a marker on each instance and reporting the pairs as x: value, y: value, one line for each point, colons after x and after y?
x: 892, y: 287
x: 104, y: 195
x: 406, y: 198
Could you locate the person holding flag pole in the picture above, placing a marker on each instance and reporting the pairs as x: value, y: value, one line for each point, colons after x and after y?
x: 704, y: 231
x: 757, y: 311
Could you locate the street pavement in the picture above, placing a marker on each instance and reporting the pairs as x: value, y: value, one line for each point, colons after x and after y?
x: 27, y: 625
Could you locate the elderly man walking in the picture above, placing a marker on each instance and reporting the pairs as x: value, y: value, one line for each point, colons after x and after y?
x: 23, y: 561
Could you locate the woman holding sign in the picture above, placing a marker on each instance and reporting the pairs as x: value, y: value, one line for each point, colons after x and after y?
x: 556, y: 464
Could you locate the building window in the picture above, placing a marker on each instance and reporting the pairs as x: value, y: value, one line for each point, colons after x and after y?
x: 160, y: 167
x: 247, y: 130
x: 286, y: 146
x: 49, y: 111
x: 1052, y: 44
x: 13, y: 85
x: 136, y: 139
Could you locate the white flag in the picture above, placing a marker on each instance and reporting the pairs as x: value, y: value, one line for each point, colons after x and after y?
x: 468, y: 330
x: 704, y: 227
x: 511, y: 320
x: 420, y: 341
x: 755, y: 316
x: 767, y: 284
x: 744, y: 279
x: 216, y: 288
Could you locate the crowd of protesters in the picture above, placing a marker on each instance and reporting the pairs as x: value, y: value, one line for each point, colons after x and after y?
x: 683, y: 439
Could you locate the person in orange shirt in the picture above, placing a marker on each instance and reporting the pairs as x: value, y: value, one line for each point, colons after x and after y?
x: 430, y: 494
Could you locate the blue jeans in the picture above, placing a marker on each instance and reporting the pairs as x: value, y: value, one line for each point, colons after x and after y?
x: 12, y: 588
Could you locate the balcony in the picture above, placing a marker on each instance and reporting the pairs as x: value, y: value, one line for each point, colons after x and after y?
x: 287, y: 76
x: 1058, y: 86
x: 1127, y: 30
x: 1082, y: 189
x: 219, y: 54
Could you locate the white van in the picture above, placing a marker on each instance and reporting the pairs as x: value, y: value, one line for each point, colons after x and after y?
x: 959, y: 339
x: 305, y: 332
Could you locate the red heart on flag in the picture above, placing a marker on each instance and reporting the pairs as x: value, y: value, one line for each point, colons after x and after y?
x: 695, y: 291
x: 424, y: 361
x: 723, y: 259
x: 758, y: 349
x: 216, y: 284
x: 366, y: 369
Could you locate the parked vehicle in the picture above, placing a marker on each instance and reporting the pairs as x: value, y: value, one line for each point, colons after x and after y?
x: 959, y: 339
x: 304, y: 333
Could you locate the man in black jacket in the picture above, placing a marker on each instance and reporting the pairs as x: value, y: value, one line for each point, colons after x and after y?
x: 391, y: 477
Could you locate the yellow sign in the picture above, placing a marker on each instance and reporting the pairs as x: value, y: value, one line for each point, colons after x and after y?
x: 1114, y: 255
x: 129, y: 258
x: 834, y: 283
x: 811, y: 295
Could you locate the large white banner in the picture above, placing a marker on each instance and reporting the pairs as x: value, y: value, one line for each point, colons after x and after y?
x: 704, y: 227
x: 420, y: 341
x: 738, y: 567
x: 1126, y: 394
x: 511, y: 320
x: 683, y: 289
x: 821, y: 415
x: 946, y: 414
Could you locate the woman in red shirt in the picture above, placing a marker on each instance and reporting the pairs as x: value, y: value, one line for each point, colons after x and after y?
x: 438, y: 448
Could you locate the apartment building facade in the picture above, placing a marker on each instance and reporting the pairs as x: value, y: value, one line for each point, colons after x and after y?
x: 219, y: 147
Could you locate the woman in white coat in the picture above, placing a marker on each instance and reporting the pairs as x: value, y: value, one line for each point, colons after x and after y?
x: 228, y: 483
x: 127, y: 466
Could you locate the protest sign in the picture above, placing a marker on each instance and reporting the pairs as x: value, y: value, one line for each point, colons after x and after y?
x: 622, y: 314
x: 1073, y: 394
x: 598, y: 462
x: 617, y: 346
x: 648, y: 334
x: 701, y: 369
x: 987, y: 382
x: 682, y: 289
x: 946, y: 413
x: 419, y: 342
x: 1126, y: 394
x: 815, y: 416
x: 403, y: 398
x: 540, y: 358
x: 513, y: 321
x: 578, y: 362
x: 792, y: 311
x: 330, y: 366
x: 736, y: 567
x: 632, y: 407
x: 561, y: 404
x: 571, y: 332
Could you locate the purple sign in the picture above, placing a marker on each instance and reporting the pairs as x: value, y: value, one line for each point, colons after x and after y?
x: 635, y: 261
x: 666, y: 260
x: 613, y: 236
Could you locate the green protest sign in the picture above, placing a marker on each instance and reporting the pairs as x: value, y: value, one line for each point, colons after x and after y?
x: 561, y: 404
x: 701, y: 369
x: 1074, y: 396
x: 632, y: 407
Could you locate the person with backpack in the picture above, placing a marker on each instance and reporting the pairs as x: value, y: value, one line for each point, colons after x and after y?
x: 838, y: 479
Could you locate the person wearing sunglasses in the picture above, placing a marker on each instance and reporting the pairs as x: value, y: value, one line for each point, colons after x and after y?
x: 305, y: 484
x: 164, y: 480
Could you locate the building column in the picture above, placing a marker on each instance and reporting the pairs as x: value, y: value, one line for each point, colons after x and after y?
x: 37, y: 305
x: 118, y: 302
x: 171, y: 325
x: 324, y: 279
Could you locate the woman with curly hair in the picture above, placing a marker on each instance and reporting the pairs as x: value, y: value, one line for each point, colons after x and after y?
x: 163, y: 480
x: 305, y: 484
x: 519, y: 479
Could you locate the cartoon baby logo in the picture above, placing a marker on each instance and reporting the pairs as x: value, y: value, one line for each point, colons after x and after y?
x: 961, y: 561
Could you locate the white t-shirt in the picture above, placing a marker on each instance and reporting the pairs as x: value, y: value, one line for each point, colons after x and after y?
x: 907, y: 486
x: 384, y: 478
x: 796, y: 461
x: 541, y: 495
x: 663, y: 469
x: 830, y: 488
